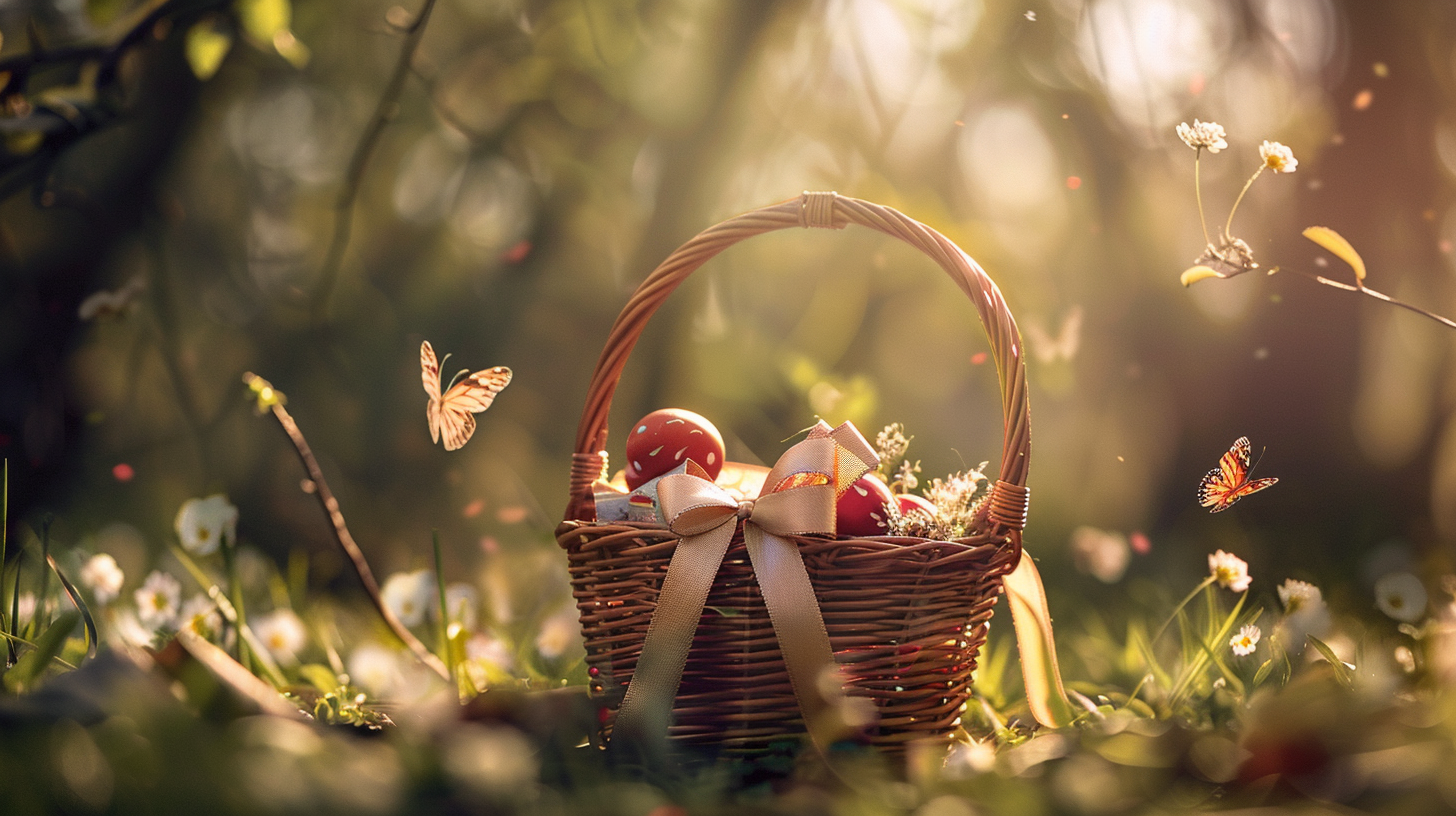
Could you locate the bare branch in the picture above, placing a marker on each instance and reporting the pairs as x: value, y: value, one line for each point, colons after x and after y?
x: 384, y: 111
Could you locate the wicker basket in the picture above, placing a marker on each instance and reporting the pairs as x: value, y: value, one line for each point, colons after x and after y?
x: 906, y: 617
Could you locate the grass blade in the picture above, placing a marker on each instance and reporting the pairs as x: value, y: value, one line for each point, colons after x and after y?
x: 8, y: 623
x: 444, y: 634
x: 47, y: 648
x: 91, y: 637
x: 1344, y: 672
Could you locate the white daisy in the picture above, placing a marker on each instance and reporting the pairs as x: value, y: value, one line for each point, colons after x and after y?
x: 1230, y: 571
x: 103, y: 577
x: 158, y: 600
x: 1278, y: 158
x: 202, y: 523
x: 408, y: 595
x: 1244, y: 642
x: 282, y: 634
x: 1401, y: 596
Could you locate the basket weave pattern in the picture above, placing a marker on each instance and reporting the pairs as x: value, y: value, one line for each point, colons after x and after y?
x: 906, y: 617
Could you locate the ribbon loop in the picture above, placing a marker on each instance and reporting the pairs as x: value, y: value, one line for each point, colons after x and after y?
x: 798, y: 498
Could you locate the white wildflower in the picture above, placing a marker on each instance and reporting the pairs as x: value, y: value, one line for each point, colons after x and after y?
x: 1401, y: 596
x: 1100, y: 553
x: 158, y: 600
x: 1244, y: 642
x: 202, y: 523
x: 408, y: 595
x: 1305, y: 613
x: 462, y: 604
x: 487, y: 649
x: 1203, y: 135
x: 200, y: 613
x: 1278, y: 158
x: 103, y: 577
x: 375, y: 669
x: 1228, y: 570
x: 282, y: 634
x: 558, y: 633
x: 124, y: 628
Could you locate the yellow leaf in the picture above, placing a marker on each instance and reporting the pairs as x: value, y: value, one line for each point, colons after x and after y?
x: 1045, y: 694
x: 1194, y: 274
x: 291, y: 49
x: 206, y: 48
x: 263, y: 19
x: 1339, y: 247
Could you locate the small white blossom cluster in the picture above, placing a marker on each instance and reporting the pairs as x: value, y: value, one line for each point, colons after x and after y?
x: 1278, y: 158
x: 957, y: 498
x: 891, y: 443
x: 1203, y: 136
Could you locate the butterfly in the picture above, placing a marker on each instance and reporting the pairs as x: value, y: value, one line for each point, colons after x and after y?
x: 1229, y: 482
x: 450, y: 414
x: 1064, y: 345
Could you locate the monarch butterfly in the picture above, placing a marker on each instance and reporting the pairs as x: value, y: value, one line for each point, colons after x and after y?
x: 450, y: 414
x: 1229, y: 482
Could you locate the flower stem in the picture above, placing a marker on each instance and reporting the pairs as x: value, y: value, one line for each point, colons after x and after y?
x: 1198, y: 194
x: 1179, y: 608
x: 235, y: 595
x: 1228, y: 225
x: 225, y: 608
x: 444, y: 633
x: 7, y: 622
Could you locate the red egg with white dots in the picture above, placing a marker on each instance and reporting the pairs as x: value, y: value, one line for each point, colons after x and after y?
x: 860, y: 510
x: 910, y: 501
x: 664, y: 439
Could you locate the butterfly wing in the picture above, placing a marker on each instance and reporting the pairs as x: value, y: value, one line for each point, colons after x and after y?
x: 470, y: 396
x: 1250, y: 487
x: 1214, y: 491
x: 1229, y: 482
x: 430, y: 375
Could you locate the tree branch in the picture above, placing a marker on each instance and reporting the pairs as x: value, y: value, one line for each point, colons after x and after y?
x: 384, y: 111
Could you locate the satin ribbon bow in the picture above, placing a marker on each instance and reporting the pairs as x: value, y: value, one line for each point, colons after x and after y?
x: 798, y: 498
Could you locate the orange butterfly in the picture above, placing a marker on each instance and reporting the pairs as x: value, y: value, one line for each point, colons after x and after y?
x: 450, y: 415
x: 1229, y: 482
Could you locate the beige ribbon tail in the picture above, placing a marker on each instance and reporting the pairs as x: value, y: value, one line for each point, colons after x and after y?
x: 1045, y: 694
x: 646, y: 710
x: 803, y: 638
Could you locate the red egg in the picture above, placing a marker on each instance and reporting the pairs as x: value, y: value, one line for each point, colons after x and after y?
x: 861, y: 509
x: 910, y: 501
x: 664, y: 439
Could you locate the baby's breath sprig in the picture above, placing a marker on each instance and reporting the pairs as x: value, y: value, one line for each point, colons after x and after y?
x: 957, y: 498
x: 891, y: 444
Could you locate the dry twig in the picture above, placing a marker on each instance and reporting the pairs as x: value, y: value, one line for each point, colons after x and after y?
x: 271, y: 399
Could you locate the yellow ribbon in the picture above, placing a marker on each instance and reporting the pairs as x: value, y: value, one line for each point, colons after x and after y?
x: 798, y: 498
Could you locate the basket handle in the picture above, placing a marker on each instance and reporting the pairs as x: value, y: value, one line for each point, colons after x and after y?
x: 1008, y: 503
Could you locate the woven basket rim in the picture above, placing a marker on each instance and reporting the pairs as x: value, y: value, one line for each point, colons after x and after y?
x: 1007, y: 506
